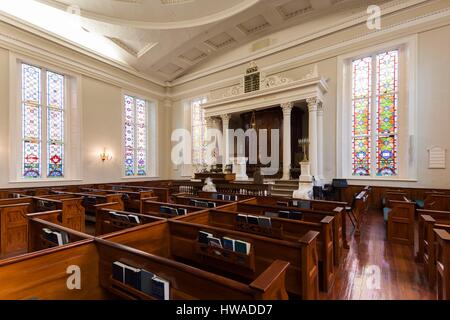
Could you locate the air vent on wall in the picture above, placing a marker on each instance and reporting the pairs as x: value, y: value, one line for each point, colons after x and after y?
x: 294, y: 8
x: 221, y: 40
x: 255, y: 24
x: 171, y: 2
x: 193, y: 55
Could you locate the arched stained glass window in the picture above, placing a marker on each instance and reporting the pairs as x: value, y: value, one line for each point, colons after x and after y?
x: 374, y: 115
x: 39, y: 113
x: 136, y: 139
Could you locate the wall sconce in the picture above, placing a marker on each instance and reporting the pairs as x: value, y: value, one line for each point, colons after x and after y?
x: 105, y: 155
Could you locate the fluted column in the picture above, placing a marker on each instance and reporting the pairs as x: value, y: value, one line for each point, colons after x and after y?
x: 320, y: 152
x: 225, y: 140
x: 313, y: 105
x: 287, y: 108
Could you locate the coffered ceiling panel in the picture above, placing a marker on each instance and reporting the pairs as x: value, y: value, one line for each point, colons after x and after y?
x: 164, y: 39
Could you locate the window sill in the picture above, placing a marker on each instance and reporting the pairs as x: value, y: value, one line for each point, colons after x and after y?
x: 43, y: 180
x: 140, y: 177
x: 381, y: 179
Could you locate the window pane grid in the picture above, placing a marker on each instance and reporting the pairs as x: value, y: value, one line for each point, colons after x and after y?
x: 55, y: 125
x: 136, y: 140
x: 361, y: 117
x: 380, y: 90
x: 31, y: 121
x: 387, y: 105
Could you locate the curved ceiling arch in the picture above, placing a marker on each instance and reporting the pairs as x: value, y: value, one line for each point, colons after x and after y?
x: 227, y: 12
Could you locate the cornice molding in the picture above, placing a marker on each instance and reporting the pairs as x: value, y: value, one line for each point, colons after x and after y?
x: 18, y: 46
x: 75, y: 47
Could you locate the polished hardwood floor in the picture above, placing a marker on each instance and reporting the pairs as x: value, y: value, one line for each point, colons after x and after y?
x: 401, y: 278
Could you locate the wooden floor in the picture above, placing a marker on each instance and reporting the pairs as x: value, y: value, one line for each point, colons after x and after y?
x: 400, y: 276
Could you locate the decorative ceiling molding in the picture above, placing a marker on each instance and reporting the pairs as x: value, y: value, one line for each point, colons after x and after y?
x: 351, y: 20
x: 212, y: 18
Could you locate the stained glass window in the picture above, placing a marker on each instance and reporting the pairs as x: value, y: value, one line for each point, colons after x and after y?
x: 375, y: 92
x: 387, y: 105
x: 198, y: 132
x: 38, y: 114
x: 136, y: 120
x: 55, y: 124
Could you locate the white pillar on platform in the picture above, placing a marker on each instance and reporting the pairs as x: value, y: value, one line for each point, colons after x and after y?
x: 287, y: 108
x: 320, y: 153
x: 225, y: 140
x: 313, y: 104
x: 240, y: 168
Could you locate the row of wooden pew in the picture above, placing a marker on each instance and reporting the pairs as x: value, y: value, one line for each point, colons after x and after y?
x: 289, y: 259
x: 433, y: 225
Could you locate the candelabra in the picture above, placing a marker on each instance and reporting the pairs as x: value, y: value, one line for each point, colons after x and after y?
x: 304, y: 144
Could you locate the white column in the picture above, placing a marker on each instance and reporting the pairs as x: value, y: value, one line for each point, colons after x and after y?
x: 320, y: 153
x: 225, y: 140
x: 313, y: 139
x: 287, y: 108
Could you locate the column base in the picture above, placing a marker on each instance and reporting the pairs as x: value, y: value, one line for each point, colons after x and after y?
x: 240, y: 168
x: 304, y: 191
x: 305, y: 172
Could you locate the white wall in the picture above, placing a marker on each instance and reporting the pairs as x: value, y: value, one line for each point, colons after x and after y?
x: 101, y: 124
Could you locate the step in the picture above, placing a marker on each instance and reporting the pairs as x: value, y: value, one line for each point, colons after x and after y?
x: 284, y: 188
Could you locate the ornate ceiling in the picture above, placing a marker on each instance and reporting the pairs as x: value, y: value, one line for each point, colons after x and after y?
x: 164, y: 39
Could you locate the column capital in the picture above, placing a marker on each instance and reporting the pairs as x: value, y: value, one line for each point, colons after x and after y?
x: 225, y: 117
x: 314, y: 104
x: 287, y: 107
x: 209, y: 121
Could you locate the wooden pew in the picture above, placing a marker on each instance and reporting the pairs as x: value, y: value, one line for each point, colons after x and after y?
x: 153, y: 208
x: 131, y: 199
x: 43, y: 273
x: 429, y: 220
x: 284, y: 229
x: 91, y: 199
x: 443, y: 264
x: 13, y: 229
x: 301, y: 276
x: 187, y: 201
x: 73, y: 212
x: 210, y: 195
x: 358, y: 209
x: 108, y: 223
x: 163, y: 194
x: 437, y: 201
x: 399, y: 214
x: 147, y: 247
x: 338, y: 213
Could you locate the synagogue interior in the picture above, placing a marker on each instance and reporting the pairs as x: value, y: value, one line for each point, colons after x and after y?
x: 224, y: 150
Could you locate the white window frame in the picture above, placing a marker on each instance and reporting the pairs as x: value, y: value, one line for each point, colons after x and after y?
x: 72, y: 123
x: 152, y: 137
x: 406, y: 121
x: 204, y: 99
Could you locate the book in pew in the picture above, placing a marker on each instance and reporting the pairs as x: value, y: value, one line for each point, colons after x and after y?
x: 283, y: 203
x: 211, y: 204
x: 164, y: 209
x: 142, y: 280
x: 295, y: 215
x: 264, y: 222
x: 59, y: 238
x: 203, y: 237
x: 160, y: 288
x: 242, y: 218
x: 303, y: 204
x: 283, y: 214
x: 181, y: 211
x: 228, y: 243
x: 214, y: 242
x: 134, y: 218
x: 133, y: 277
x: 252, y: 219
x: 242, y: 247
